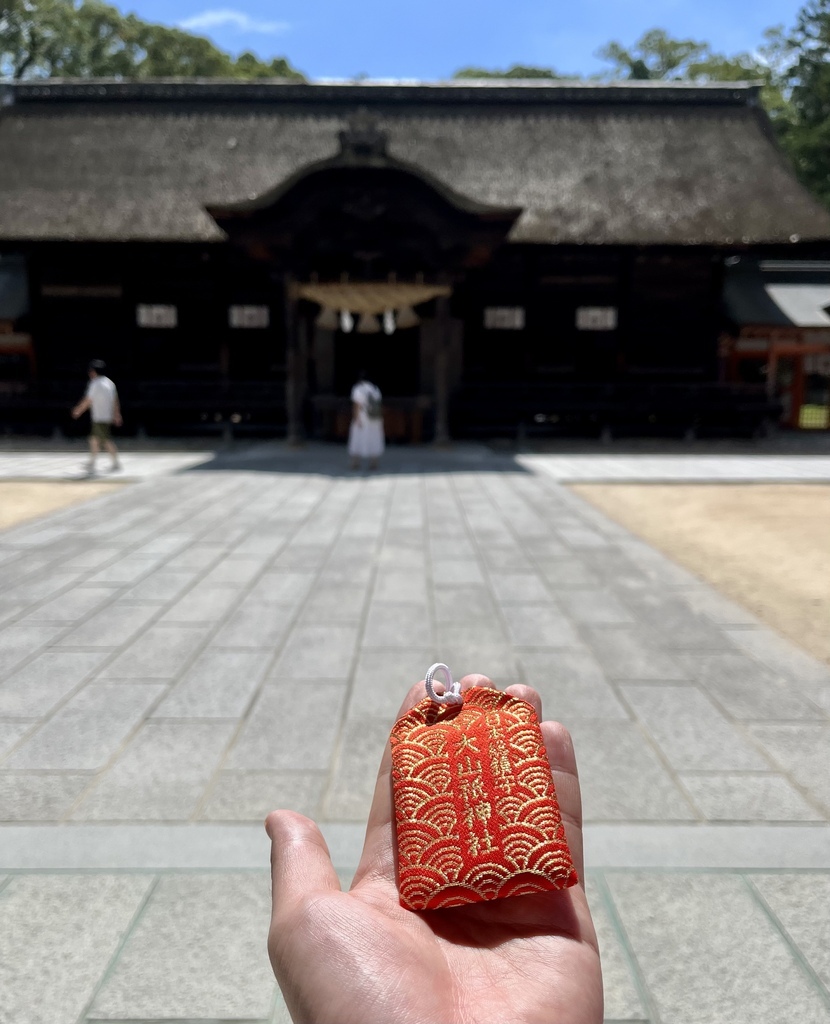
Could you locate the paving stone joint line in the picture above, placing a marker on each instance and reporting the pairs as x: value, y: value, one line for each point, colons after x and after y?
x: 803, y: 964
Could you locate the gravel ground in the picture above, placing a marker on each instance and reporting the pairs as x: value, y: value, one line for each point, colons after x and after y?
x: 22, y: 500
x: 766, y: 546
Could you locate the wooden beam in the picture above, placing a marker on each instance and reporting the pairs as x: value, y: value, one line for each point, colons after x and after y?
x: 293, y: 370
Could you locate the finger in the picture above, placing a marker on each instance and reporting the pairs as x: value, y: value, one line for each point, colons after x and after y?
x: 300, y: 861
x: 378, y: 856
x: 559, y: 746
x: 527, y: 694
x: 560, y: 751
x: 476, y: 679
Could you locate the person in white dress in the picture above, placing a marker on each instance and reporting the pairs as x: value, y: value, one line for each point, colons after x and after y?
x: 366, y: 440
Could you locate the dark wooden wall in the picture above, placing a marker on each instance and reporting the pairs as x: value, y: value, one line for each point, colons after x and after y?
x: 651, y: 374
x: 193, y: 377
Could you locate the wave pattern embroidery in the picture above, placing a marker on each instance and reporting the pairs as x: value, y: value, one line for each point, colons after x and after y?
x: 476, y: 809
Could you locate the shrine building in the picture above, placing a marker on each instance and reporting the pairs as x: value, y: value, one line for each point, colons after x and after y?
x: 503, y: 259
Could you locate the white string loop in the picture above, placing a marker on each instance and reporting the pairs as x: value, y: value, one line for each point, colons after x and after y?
x: 452, y: 691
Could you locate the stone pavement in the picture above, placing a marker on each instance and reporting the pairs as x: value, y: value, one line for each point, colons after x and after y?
x: 185, y: 654
x: 71, y: 465
x: 691, y: 468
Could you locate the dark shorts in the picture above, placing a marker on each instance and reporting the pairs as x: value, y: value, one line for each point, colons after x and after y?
x: 101, y: 431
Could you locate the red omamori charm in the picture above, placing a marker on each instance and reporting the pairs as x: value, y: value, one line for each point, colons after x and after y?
x: 475, y: 805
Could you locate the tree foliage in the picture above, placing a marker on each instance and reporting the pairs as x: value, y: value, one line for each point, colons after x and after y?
x: 89, y: 38
x: 805, y: 124
x: 516, y: 71
x: 654, y: 55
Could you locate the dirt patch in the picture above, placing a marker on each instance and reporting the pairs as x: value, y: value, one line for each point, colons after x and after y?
x: 766, y: 546
x: 22, y: 500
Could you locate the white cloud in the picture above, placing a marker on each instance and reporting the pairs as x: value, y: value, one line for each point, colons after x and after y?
x: 227, y: 17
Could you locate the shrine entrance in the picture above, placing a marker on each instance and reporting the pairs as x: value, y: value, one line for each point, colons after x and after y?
x: 367, y: 252
x: 394, y: 367
x: 794, y: 365
x: 372, y: 327
x: 781, y: 314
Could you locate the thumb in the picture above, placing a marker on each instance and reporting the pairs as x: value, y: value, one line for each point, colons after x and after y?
x: 300, y: 859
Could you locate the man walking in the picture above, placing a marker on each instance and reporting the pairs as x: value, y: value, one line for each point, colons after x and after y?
x: 101, y: 399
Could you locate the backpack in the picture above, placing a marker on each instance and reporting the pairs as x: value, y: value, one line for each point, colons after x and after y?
x: 374, y: 407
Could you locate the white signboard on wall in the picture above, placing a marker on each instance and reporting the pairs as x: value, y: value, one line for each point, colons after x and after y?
x: 596, y: 318
x: 504, y: 318
x: 156, y: 316
x: 249, y: 316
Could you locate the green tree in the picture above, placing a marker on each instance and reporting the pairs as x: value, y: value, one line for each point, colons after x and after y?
x: 164, y: 52
x: 89, y: 38
x: 97, y: 40
x: 33, y: 34
x: 805, y: 127
x: 765, y: 66
x: 248, y: 65
x: 516, y: 71
x: 654, y: 55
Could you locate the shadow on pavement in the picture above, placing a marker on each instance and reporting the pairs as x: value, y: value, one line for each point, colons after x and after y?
x: 332, y: 460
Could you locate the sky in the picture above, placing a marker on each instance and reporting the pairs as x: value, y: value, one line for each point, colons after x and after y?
x: 431, y: 39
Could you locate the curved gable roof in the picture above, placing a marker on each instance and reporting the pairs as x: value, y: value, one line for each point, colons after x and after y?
x: 625, y: 164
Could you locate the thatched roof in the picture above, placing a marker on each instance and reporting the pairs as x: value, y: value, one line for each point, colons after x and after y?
x: 636, y: 163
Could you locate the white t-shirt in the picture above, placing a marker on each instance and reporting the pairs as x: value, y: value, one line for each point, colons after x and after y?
x: 102, y: 394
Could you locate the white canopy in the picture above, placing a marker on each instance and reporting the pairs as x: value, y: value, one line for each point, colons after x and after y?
x: 805, y: 305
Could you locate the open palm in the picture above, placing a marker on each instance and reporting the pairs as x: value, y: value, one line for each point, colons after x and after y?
x: 358, y: 957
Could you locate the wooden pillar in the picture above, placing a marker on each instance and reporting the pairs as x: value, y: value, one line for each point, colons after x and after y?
x: 442, y: 380
x: 305, y: 334
x: 293, y: 369
x: 797, y: 390
x: 324, y: 360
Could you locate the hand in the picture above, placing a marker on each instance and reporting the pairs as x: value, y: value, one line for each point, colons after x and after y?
x: 358, y: 957
x: 76, y: 412
x: 116, y: 420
